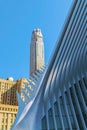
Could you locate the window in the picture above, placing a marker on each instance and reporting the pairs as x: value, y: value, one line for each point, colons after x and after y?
x: 57, y: 116
x: 51, y: 121
x: 44, y: 123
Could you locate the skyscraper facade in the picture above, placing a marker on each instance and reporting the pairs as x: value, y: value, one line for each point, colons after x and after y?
x: 36, y: 51
x: 7, y: 116
x: 8, y: 101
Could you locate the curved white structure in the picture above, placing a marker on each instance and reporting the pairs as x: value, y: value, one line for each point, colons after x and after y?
x: 60, y: 102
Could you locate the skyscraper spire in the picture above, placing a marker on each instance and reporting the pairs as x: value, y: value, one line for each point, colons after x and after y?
x: 36, y: 51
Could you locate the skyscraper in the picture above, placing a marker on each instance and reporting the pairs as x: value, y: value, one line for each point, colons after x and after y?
x: 36, y: 51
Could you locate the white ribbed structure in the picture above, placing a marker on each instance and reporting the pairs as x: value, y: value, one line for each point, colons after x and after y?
x: 61, y: 100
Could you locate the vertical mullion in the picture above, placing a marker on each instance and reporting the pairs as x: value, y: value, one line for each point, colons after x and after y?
x: 66, y: 111
x: 60, y: 113
x: 78, y: 108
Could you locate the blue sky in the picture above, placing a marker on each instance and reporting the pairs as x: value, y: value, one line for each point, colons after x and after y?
x: 17, y: 20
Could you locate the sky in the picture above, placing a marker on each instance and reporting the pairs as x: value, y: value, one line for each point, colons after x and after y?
x: 18, y: 18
